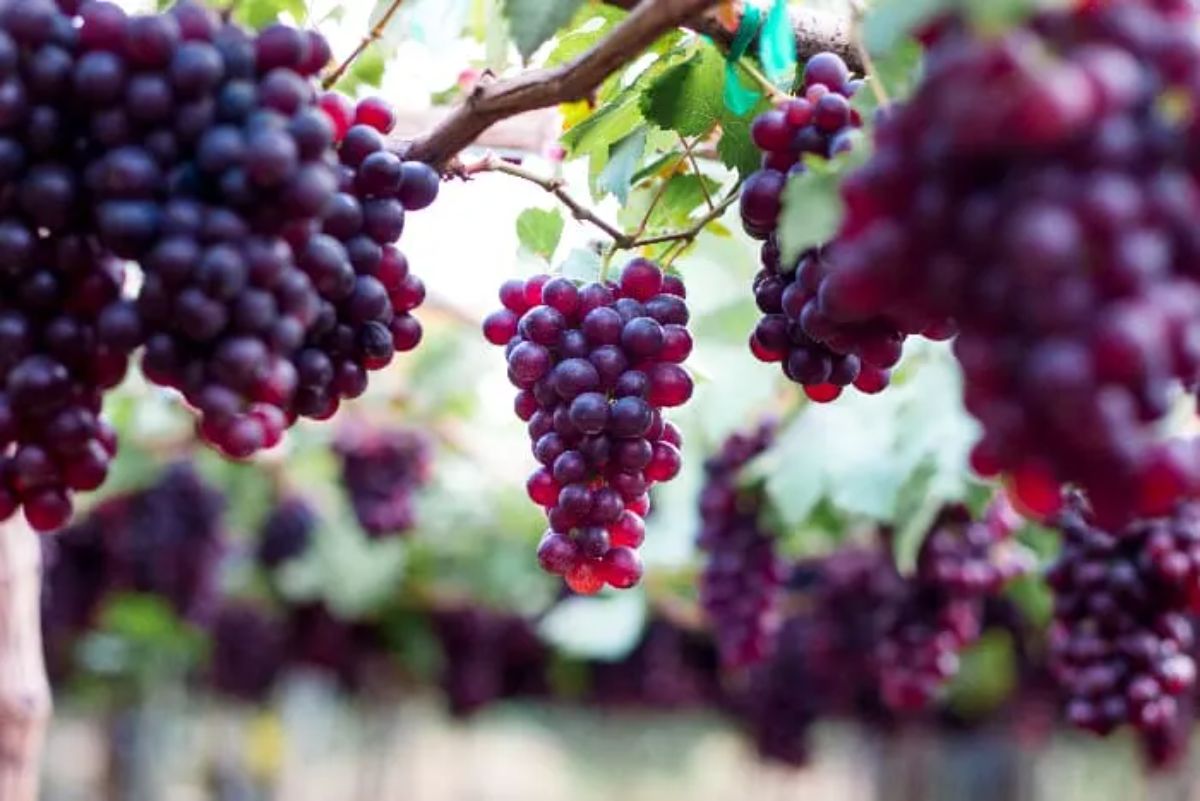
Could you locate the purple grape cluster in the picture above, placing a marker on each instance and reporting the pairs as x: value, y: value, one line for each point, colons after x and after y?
x: 263, y: 219
x: 166, y: 540
x: 813, y: 351
x: 1122, y: 643
x: 365, y: 315
x: 671, y: 668
x: 248, y: 653
x: 1037, y: 195
x: 318, y: 639
x: 382, y: 470
x: 743, y: 580
x: 487, y: 657
x: 595, y: 366
x: 65, y: 331
x: 286, y: 533
x: 939, y: 610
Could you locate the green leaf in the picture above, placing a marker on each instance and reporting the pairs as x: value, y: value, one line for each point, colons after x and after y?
x: 609, y: 123
x: 604, y: 627
x: 532, y: 23
x: 261, y: 13
x: 811, y: 203
x: 890, y: 21
x: 986, y: 677
x: 623, y: 158
x: 540, y: 230
x: 582, y: 264
x: 367, y: 70
x: 687, y: 97
x: 591, y: 24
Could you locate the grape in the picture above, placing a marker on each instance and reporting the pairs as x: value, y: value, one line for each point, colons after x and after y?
x: 1040, y: 213
x: 741, y: 586
x: 246, y: 674
x: 382, y: 471
x: 286, y: 533
x: 1122, y: 638
x: 594, y: 423
x: 796, y: 331
x: 488, y: 656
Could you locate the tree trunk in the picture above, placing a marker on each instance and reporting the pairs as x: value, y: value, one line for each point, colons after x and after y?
x: 24, y: 690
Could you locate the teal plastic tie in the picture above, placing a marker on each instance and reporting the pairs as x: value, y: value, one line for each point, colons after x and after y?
x: 739, y: 98
x: 777, y: 43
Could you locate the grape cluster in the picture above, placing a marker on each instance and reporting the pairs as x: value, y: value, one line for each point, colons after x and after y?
x: 382, y: 470
x: 822, y: 356
x: 248, y: 651
x: 488, y: 656
x: 595, y: 366
x: 286, y: 533
x: 263, y: 219
x: 670, y: 668
x: 939, y: 611
x: 166, y: 540
x: 743, y: 579
x: 318, y: 639
x: 365, y: 315
x: 1036, y: 195
x: 1123, y: 636
x: 65, y: 331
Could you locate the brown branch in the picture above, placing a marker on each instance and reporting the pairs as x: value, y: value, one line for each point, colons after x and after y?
x: 494, y: 100
x: 374, y: 35
x: 24, y: 689
x: 556, y: 187
x: 688, y: 235
x: 816, y: 31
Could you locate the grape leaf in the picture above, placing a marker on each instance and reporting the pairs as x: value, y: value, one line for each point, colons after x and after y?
x: 616, y: 178
x: 367, y: 70
x: 688, y: 98
x: 532, y: 23
x: 890, y: 21
x: 987, y: 675
x: 607, y: 124
x: 591, y: 24
x: 582, y: 264
x: 540, y: 230
x: 811, y: 203
x: 261, y: 13
x: 604, y: 627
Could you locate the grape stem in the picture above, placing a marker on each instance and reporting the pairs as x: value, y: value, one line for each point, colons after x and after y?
x: 493, y: 100
x: 374, y: 35
x: 858, y: 13
x: 620, y: 240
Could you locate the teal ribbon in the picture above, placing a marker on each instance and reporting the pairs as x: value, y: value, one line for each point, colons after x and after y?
x: 777, y: 43
x: 739, y: 98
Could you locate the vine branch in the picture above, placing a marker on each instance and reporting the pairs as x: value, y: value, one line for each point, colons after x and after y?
x: 556, y: 187
x: 620, y: 240
x: 816, y: 31
x: 374, y: 35
x: 494, y: 100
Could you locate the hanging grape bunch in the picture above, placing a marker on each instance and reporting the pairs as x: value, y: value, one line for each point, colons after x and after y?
x: 596, y: 365
x: 814, y: 352
x: 741, y: 588
x: 263, y: 218
x: 1123, y: 637
x: 1037, y: 196
x: 382, y: 472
